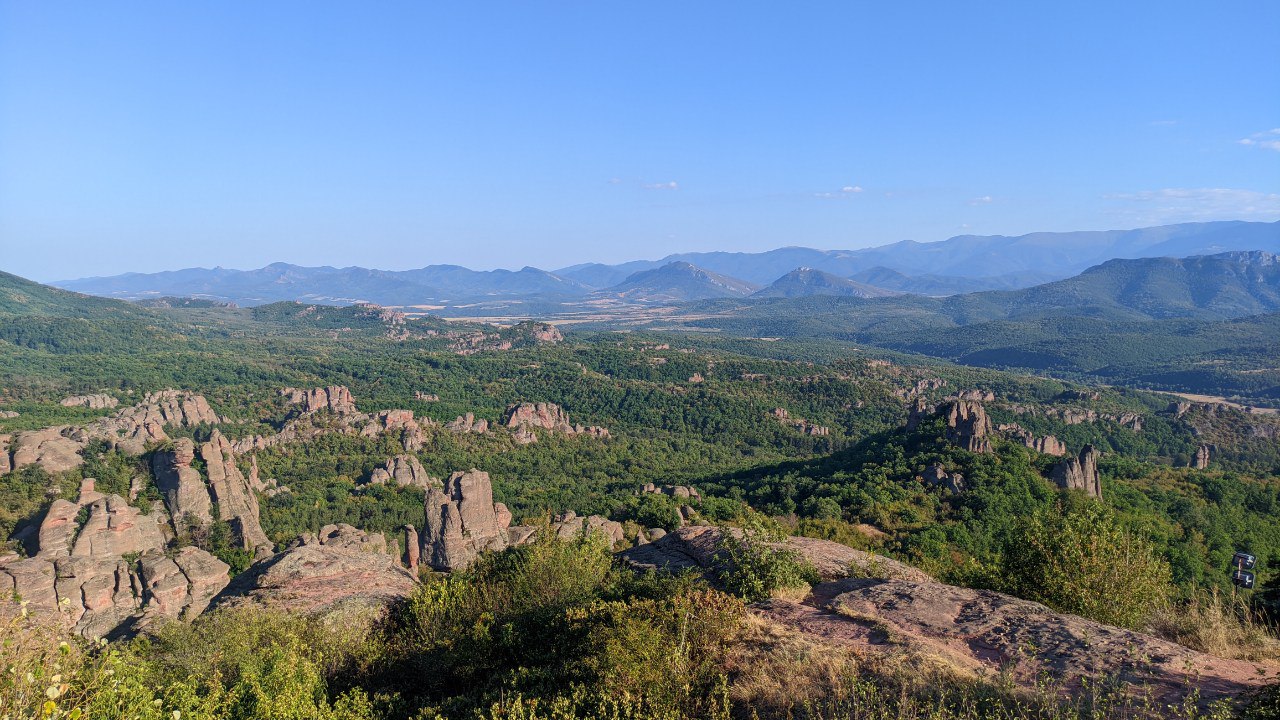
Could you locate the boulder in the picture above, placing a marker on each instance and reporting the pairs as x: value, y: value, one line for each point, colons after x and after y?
x: 58, y: 528
x: 1079, y: 473
x: 114, y: 527
x: 524, y: 417
x: 937, y: 476
x: 50, y: 448
x: 468, y: 424
x: 335, y: 399
x: 322, y: 576
x: 1203, y: 456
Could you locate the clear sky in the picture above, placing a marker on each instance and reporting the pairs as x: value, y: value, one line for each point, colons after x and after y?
x: 145, y: 136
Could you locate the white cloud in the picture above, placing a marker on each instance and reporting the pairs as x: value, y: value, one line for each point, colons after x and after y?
x: 844, y: 192
x: 984, y: 200
x: 1196, y: 204
x: 1269, y: 140
x: 671, y: 185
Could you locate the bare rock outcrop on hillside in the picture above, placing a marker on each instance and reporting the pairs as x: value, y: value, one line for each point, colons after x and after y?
x: 95, y: 402
x: 230, y: 489
x: 114, y: 574
x: 339, y: 566
x: 1049, y: 445
x: 1079, y: 473
x: 461, y: 521
x: 938, y: 476
x: 403, y: 470
x: 183, y: 489
x: 1203, y: 456
x: 695, y: 547
x: 989, y: 633
x: 783, y: 416
x: 968, y: 425
x: 468, y: 423
x: 335, y: 399
x: 524, y: 417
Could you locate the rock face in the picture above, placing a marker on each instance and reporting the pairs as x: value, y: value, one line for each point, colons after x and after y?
x: 937, y: 476
x: 524, y: 417
x: 403, y: 470
x: 1204, y: 455
x: 399, y: 422
x: 676, y: 491
x: 694, y: 548
x: 95, y: 402
x: 51, y: 448
x: 335, y: 398
x: 184, y: 491
x: 339, y: 566
x: 113, y: 575
x: 783, y: 416
x: 968, y: 425
x: 468, y: 424
x: 461, y: 521
x: 237, y: 503
x: 1049, y: 445
x: 917, y: 412
x: 1079, y: 473
x: 985, y: 633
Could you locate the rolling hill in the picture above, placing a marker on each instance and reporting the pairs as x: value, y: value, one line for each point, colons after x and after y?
x: 678, y: 282
x: 804, y: 281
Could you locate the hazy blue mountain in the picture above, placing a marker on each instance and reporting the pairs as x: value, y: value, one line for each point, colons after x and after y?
x: 805, y: 281
x: 1001, y: 262
x: 678, y: 282
x: 281, y: 281
x: 943, y: 285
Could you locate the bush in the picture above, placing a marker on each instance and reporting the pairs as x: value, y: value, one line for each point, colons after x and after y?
x: 754, y: 564
x: 1082, y: 561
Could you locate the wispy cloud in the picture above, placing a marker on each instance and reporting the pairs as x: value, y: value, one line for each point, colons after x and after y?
x: 1162, y: 123
x: 669, y: 185
x: 984, y: 200
x: 1269, y: 140
x: 1197, y: 204
x: 844, y: 192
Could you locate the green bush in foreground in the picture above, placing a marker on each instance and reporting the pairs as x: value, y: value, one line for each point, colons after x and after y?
x: 756, y: 564
x: 1081, y: 560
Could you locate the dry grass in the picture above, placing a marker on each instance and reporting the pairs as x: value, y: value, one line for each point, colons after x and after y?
x: 1219, y: 625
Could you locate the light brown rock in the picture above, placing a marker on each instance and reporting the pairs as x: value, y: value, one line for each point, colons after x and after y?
x: 1079, y: 473
x: 185, y: 494
x: 230, y: 489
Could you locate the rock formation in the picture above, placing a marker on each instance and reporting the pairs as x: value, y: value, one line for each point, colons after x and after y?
x: 404, y: 470
x: 917, y: 412
x: 804, y: 426
x: 676, y: 491
x: 1204, y: 455
x: 51, y: 448
x: 183, y: 489
x: 237, y: 503
x: 468, y: 424
x: 524, y: 417
x: 937, y: 476
x: 696, y: 548
x: 1049, y: 445
x: 461, y: 521
x: 338, y: 567
x: 113, y: 575
x: 95, y: 402
x: 1079, y: 473
x: 399, y: 422
x: 968, y: 425
x: 335, y: 399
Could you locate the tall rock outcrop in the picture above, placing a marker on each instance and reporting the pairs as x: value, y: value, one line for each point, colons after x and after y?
x: 1079, y: 473
x: 114, y: 527
x: 968, y: 425
x: 183, y: 489
x: 461, y: 521
x: 93, y: 402
x: 237, y: 503
x: 1203, y: 456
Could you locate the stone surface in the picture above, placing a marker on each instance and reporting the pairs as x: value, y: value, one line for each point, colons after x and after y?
x: 461, y: 521
x: 404, y: 470
x: 694, y: 547
x: 52, y: 448
x: 95, y: 402
x: 230, y: 489
x: 114, y: 527
x: 317, y: 576
x: 1079, y: 473
x: 1203, y: 456
x: 783, y: 416
x: 968, y: 425
x: 184, y: 491
x: 937, y: 476
x: 468, y: 423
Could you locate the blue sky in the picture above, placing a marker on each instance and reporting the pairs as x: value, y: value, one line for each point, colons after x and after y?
x: 146, y: 136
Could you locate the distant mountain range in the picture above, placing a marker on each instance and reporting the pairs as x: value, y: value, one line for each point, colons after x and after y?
x: 959, y: 265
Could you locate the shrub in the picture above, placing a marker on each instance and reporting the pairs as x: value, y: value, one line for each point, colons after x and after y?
x: 1082, y: 561
x: 754, y: 563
